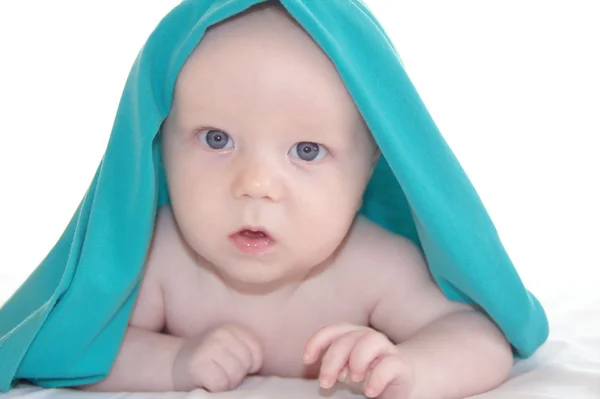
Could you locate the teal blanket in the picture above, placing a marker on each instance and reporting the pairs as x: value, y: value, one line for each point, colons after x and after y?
x: 64, y: 325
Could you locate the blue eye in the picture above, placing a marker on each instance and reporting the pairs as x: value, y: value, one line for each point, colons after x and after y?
x: 216, y: 139
x: 308, y: 151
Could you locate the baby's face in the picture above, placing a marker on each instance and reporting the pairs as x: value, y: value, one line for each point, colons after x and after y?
x: 263, y: 136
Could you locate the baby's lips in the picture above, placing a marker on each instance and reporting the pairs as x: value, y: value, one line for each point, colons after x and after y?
x: 259, y: 232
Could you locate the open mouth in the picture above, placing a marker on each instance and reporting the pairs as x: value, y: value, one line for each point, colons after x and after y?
x: 252, y: 240
x: 254, y: 234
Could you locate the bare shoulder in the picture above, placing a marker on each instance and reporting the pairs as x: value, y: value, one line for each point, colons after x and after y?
x: 162, y: 238
x: 384, y: 254
x: 374, y: 258
x: 168, y: 250
x: 395, y: 259
x: 148, y: 311
x: 408, y: 298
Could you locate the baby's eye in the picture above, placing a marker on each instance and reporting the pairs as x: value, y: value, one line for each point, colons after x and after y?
x: 215, y: 139
x: 308, y: 151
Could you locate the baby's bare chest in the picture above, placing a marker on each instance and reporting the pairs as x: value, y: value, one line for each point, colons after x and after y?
x: 195, y: 304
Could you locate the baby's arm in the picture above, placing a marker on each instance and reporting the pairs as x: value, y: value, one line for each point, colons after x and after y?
x: 145, y: 358
x: 143, y: 364
x: 455, y: 350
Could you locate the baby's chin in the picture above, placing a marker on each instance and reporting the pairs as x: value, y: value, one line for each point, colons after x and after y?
x: 261, y: 280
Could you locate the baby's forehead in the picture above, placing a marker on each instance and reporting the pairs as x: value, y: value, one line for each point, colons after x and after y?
x: 263, y: 60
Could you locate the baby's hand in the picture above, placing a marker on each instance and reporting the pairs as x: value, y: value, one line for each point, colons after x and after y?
x: 217, y: 361
x: 364, y: 355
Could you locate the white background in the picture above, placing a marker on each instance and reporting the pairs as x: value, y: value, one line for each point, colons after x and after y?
x: 513, y: 85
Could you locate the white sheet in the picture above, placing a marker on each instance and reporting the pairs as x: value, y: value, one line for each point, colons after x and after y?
x: 566, y: 367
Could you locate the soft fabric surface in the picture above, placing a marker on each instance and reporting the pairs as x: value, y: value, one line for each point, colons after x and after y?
x: 567, y: 366
x: 65, y: 324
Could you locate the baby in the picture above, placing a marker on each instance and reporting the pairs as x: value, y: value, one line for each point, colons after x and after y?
x: 260, y: 265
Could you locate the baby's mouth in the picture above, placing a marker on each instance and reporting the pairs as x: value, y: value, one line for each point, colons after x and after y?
x: 252, y: 241
x: 252, y: 234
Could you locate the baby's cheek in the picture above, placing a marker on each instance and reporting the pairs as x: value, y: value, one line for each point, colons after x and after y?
x: 196, y: 187
x: 323, y: 228
x: 198, y: 211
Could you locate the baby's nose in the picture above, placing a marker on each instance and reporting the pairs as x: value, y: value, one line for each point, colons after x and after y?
x: 257, y: 180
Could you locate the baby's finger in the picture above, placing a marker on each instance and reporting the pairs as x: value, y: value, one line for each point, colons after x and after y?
x: 253, y: 346
x: 367, y: 350
x: 389, y: 373
x: 213, y: 377
x: 336, y: 357
x: 343, y: 376
x: 323, y: 338
x: 233, y: 367
x: 240, y: 349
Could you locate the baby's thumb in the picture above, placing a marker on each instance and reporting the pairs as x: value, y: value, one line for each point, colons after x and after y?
x: 253, y: 345
x: 257, y: 358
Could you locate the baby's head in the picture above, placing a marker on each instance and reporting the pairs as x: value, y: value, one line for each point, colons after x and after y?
x: 263, y: 135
